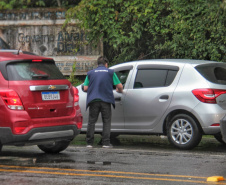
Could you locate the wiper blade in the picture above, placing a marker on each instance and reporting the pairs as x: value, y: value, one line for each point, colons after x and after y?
x: 40, y: 76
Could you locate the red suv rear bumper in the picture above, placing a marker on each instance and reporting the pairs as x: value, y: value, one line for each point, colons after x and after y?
x: 39, y: 135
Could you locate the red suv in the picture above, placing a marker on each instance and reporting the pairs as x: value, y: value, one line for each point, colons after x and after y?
x: 38, y: 106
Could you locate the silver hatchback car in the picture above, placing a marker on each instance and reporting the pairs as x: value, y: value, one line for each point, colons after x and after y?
x: 183, y: 99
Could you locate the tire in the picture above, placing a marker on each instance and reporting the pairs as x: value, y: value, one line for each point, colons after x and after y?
x: 55, y: 148
x: 183, y: 132
x: 219, y: 138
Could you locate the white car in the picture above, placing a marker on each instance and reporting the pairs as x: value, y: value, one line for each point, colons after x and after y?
x: 183, y: 99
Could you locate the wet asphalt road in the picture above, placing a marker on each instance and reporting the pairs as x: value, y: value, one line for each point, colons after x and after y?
x: 133, y: 160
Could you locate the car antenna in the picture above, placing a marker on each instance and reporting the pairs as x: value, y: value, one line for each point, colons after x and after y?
x: 18, y: 51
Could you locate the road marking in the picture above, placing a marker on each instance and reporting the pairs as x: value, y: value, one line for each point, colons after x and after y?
x: 108, y: 174
x: 215, y: 179
x: 98, y: 171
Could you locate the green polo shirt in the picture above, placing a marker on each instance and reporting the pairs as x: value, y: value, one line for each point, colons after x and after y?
x: 116, y: 81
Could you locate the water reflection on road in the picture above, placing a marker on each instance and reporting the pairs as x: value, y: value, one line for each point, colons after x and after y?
x: 141, y: 160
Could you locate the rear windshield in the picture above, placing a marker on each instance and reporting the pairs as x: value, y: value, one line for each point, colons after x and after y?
x: 215, y: 73
x: 33, y: 71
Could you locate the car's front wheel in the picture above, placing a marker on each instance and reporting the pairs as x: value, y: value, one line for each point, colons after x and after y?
x: 183, y: 132
x: 56, y: 147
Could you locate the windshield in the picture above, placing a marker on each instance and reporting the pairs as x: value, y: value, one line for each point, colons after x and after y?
x: 33, y: 71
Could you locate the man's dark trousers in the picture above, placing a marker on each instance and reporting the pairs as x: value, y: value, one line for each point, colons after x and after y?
x: 94, y: 109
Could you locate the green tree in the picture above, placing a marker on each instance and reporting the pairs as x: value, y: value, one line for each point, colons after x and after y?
x: 13, y: 4
x: 141, y: 29
x: 198, y: 29
x: 135, y: 29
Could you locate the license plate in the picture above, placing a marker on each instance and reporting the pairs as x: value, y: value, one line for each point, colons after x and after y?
x: 53, y: 95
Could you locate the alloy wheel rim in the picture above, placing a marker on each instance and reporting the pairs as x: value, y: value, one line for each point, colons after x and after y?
x: 181, y: 131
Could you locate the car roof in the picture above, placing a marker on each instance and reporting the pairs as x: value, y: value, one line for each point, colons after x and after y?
x: 10, y: 55
x: 189, y: 61
x: 180, y: 62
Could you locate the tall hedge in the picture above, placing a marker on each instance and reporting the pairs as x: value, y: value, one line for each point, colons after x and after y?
x: 198, y: 29
x: 141, y: 29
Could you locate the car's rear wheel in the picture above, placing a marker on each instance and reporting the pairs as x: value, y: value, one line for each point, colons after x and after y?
x: 56, y: 147
x: 183, y: 132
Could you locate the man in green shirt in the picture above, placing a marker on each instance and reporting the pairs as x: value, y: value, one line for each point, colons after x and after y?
x: 99, y: 86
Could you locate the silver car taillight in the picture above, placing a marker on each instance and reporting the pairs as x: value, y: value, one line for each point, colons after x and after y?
x: 208, y: 95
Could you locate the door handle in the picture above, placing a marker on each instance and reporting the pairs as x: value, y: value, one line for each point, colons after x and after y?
x: 118, y: 99
x: 164, y: 97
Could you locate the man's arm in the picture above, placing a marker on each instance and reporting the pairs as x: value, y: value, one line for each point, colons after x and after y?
x: 117, y: 83
x: 85, y: 88
x: 85, y: 85
x: 119, y: 88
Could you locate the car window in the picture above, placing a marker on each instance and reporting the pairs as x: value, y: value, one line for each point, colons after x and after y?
x: 170, y: 77
x: 215, y: 73
x: 148, y: 78
x: 33, y: 71
x: 122, y: 76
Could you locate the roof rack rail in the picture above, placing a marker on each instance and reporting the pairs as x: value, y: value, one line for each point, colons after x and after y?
x: 10, y: 50
x: 16, y: 51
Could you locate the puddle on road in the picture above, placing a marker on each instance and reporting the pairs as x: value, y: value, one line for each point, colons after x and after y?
x: 99, y: 163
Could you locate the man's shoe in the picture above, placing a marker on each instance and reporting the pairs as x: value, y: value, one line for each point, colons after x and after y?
x: 89, y: 146
x: 107, y: 146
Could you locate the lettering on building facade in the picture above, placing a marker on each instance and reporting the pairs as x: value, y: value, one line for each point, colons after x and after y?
x: 41, y: 31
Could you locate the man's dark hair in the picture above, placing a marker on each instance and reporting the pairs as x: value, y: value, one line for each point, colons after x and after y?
x: 102, y: 60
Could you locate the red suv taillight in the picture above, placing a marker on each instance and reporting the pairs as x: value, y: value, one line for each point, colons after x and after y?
x: 76, y: 97
x: 76, y: 104
x: 208, y: 95
x: 11, y: 99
